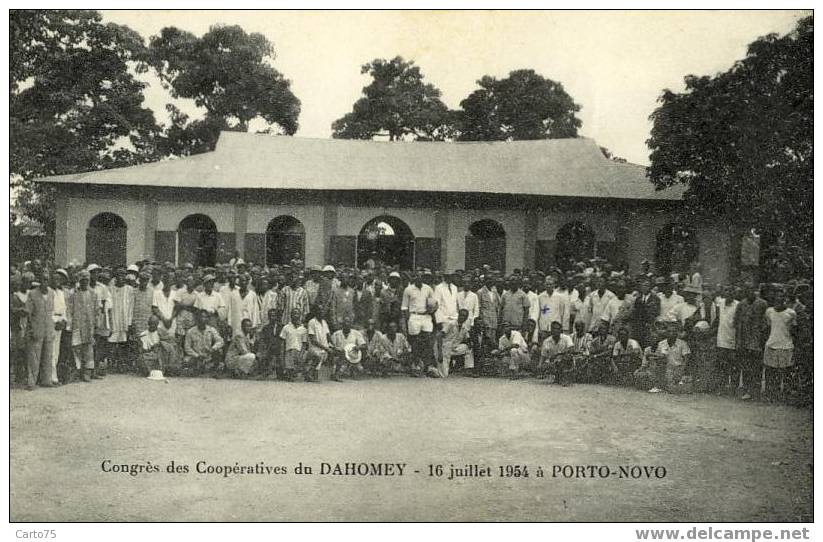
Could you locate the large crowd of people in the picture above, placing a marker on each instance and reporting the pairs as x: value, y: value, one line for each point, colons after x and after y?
x: 590, y: 323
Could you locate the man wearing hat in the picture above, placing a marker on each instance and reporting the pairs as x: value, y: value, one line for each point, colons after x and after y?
x: 668, y: 299
x: 40, y: 332
x: 81, y: 310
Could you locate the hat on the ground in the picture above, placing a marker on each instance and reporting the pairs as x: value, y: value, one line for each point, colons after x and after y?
x: 353, y: 354
x: 328, y: 268
x: 92, y: 267
x: 156, y: 374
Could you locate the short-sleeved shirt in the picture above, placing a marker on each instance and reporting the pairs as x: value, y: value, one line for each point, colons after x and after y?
x: 295, y: 337
x: 319, y: 329
x: 675, y: 353
x: 164, y: 304
x: 780, y: 322
x: 210, y: 303
x: 514, y: 306
x: 415, y: 300
x: 632, y: 347
x: 340, y: 339
x: 551, y: 347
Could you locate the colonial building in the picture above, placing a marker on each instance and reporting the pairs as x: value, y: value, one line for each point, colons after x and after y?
x: 523, y: 204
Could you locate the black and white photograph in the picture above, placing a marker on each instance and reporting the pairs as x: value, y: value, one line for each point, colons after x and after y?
x: 413, y: 266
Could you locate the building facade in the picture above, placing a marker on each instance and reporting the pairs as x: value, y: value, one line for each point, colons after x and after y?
x: 444, y: 206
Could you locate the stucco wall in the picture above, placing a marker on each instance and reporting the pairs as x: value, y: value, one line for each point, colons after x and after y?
x: 513, y: 222
x: 350, y: 220
x: 170, y: 214
x: 603, y: 222
x: 311, y: 216
x: 80, y: 211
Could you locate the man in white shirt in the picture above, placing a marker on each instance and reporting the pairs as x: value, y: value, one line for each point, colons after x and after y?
x: 210, y: 301
x: 668, y: 301
x: 596, y: 303
x: 556, y: 355
x: 467, y: 299
x: 417, y: 306
x: 553, y: 307
x: 60, y: 279
x: 726, y: 308
x: 445, y: 295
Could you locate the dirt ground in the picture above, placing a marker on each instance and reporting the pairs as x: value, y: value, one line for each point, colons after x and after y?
x: 725, y: 460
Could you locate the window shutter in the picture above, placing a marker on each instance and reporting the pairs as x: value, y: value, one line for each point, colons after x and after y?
x: 427, y: 252
x: 343, y: 250
x: 544, y: 254
x: 255, y: 248
x: 164, y: 246
x: 225, y: 247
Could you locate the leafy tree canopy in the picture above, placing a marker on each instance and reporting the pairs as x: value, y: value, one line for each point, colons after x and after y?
x: 75, y: 103
x: 397, y: 104
x: 742, y: 140
x: 228, y: 73
x: 524, y: 105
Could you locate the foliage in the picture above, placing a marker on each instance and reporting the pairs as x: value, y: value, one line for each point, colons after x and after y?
x: 524, y: 105
x: 228, y: 73
x: 75, y: 103
x: 742, y: 140
x: 397, y: 104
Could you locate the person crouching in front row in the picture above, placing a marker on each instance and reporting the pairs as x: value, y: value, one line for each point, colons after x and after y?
x: 512, y: 351
x: 203, y: 347
x: 240, y: 357
x: 294, y: 336
x: 664, y: 368
x: 556, y: 356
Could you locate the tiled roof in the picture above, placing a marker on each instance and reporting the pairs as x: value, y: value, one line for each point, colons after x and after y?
x: 553, y: 167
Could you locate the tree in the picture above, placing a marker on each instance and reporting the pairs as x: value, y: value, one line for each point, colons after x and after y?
x: 742, y: 140
x: 397, y: 104
x: 608, y: 154
x: 524, y: 105
x: 74, y: 101
x: 228, y: 73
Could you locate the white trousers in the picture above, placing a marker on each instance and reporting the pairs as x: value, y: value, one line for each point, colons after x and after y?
x: 55, y: 355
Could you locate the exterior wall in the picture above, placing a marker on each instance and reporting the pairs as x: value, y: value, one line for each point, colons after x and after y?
x: 643, y: 226
x: 604, y: 222
x: 513, y: 221
x: 311, y: 216
x: 80, y: 211
x: 715, y: 253
x: 170, y: 214
x: 322, y: 218
x: 350, y: 220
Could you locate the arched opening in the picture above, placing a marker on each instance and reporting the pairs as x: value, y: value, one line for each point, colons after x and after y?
x: 388, y: 240
x: 106, y: 240
x: 677, y: 247
x: 575, y: 243
x: 486, y: 245
x: 285, y: 240
x: 197, y: 241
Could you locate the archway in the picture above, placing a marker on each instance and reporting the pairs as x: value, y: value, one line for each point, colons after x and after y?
x: 575, y: 242
x: 285, y: 237
x: 106, y: 240
x: 486, y: 245
x: 388, y: 240
x: 197, y: 241
x: 677, y: 247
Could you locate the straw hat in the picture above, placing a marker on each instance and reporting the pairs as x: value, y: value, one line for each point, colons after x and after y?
x: 353, y: 354
x: 156, y: 374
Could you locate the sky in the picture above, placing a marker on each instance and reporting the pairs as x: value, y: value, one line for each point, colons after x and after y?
x: 614, y: 64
